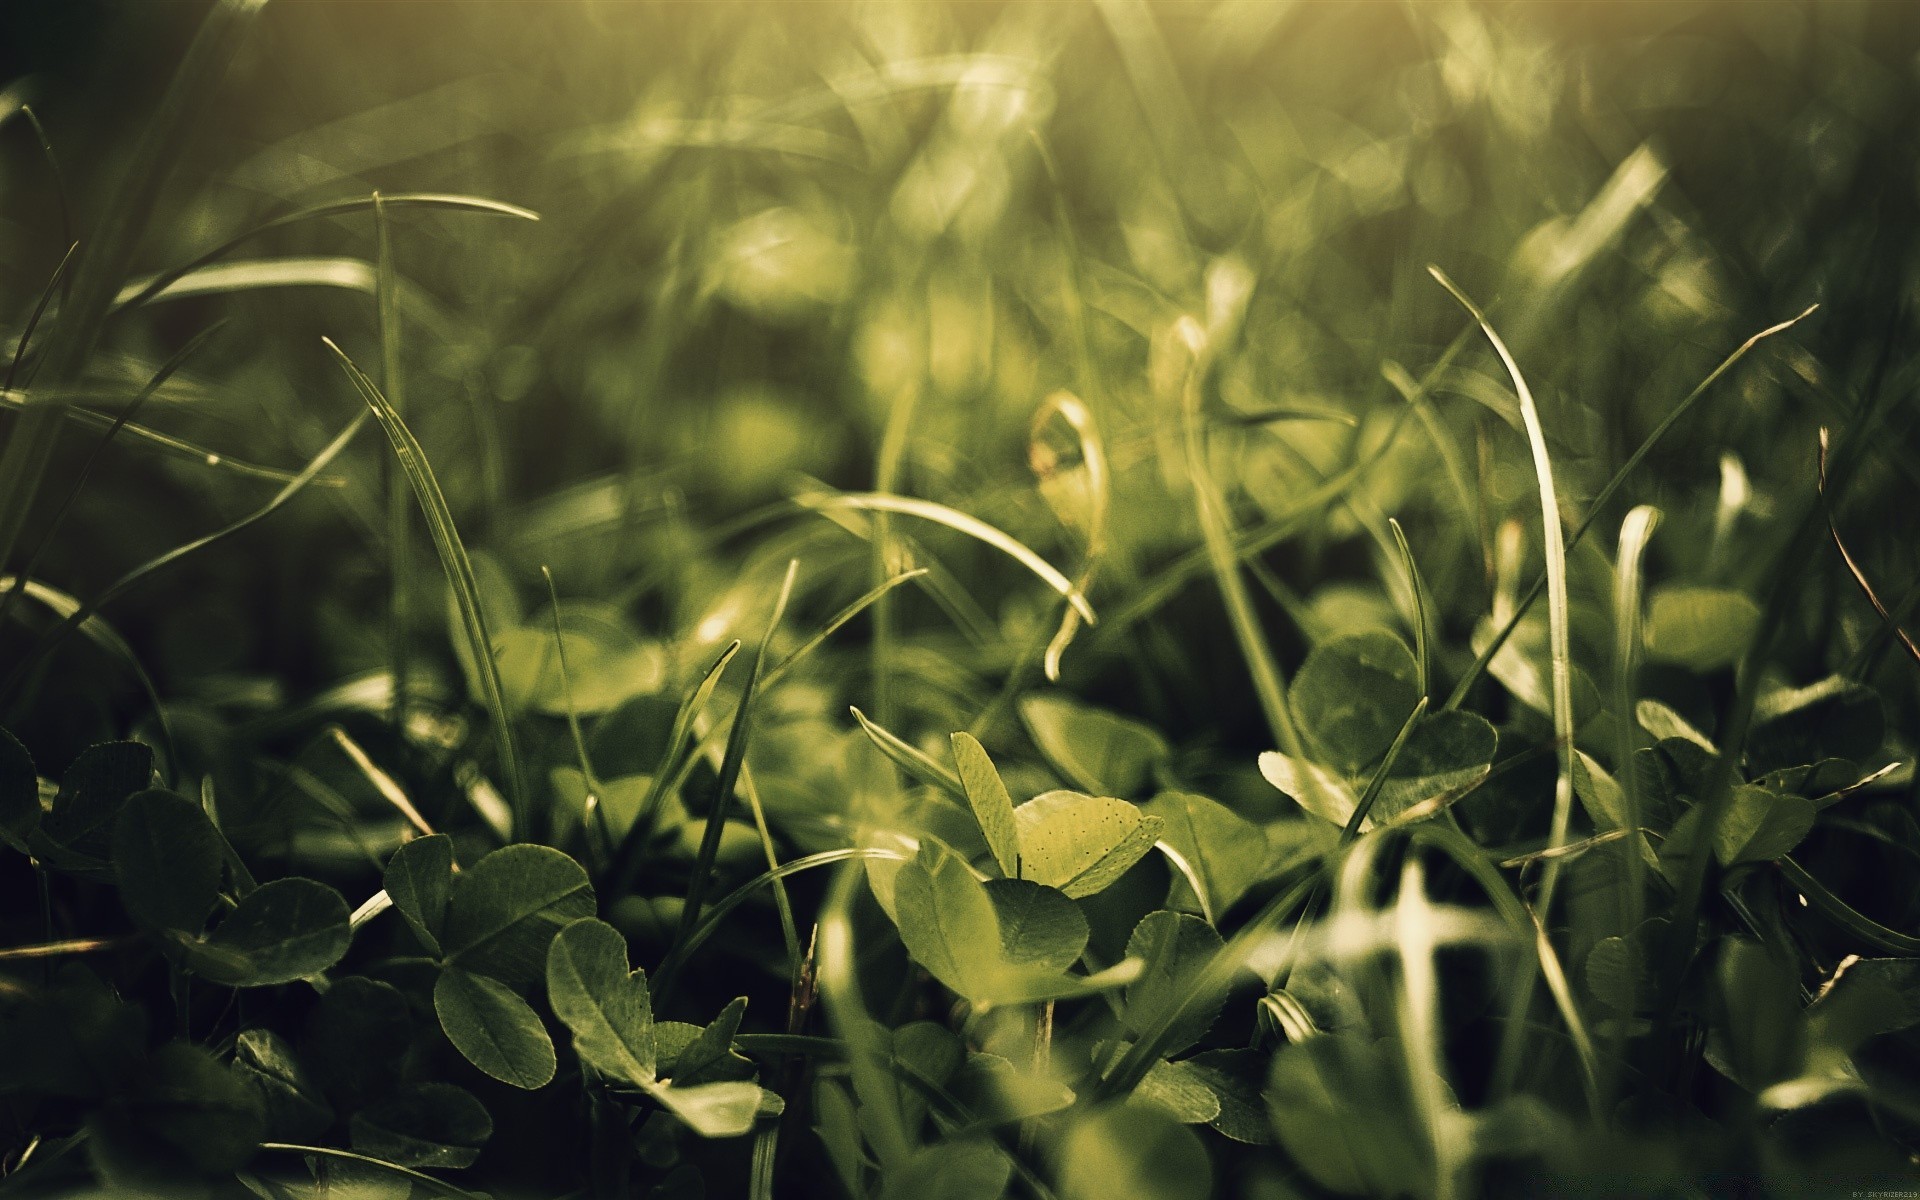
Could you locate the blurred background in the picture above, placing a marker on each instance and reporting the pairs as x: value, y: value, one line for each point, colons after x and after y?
x: 791, y: 247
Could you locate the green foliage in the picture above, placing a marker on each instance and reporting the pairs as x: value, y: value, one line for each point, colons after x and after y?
x: 1377, y: 805
x: 1081, y: 844
x: 284, y: 930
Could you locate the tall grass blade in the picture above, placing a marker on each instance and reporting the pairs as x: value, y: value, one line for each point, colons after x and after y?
x: 180, y: 448
x: 85, y: 612
x: 86, y: 470
x: 337, y: 208
x: 459, y: 572
x: 39, y: 311
x: 107, y: 253
x: 393, y: 384
x: 1555, y: 550
x: 596, y: 817
x: 973, y: 527
x: 1480, y: 663
x: 675, y: 762
x: 779, y: 670
x: 730, y: 765
x: 1210, y: 509
x: 1853, y: 567
x: 1419, y: 586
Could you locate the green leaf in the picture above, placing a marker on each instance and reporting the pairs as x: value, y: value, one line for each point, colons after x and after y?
x: 717, y: 1110
x: 708, y: 1057
x: 621, y: 801
x: 1039, y: 926
x: 1619, y: 971
x: 506, y: 908
x: 1081, y: 844
x: 605, y: 1005
x: 1834, y: 718
x: 186, y: 1112
x: 1761, y: 826
x: 1663, y: 723
x: 1600, y: 793
x: 1759, y: 1034
x: 1446, y: 755
x: 1868, y: 998
x: 1133, y: 1151
x: 1235, y: 1077
x: 992, y: 806
x: 426, y: 1126
x: 1227, y: 851
x: 19, y: 793
x: 494, y: 1028
x: 79, y: 826
x: 1352, y: 695
x: 1316, y: 1088
x: 294, y: 1108
x: 947, y: 922
x: 1094, y: 750
x: 971, y: 1169
x: 167, y: 857
x: 1314, y: 788
x: 419, y: 880
x: 356, y: 1039
x: 1176, y: 949
x: 998, y: 1093
x: 457, y: 566
x: 1701, y: 628
x: 282, y: 931
x: 1178, y: 1091
x: 927, y: 1052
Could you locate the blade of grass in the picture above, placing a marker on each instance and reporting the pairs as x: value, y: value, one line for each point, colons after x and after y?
x: 85, y: 612
x: 96, y: 629
x: 459, y: 571
x: 1295, y: 889
x: 1853, y: 567
x: 62, y: 198
x: 337, y: 208
x: 386, y: 303
x: 1418, y: 1017
x: 1419, y: 587
x: 1379, y: 778
x: 973, y: 527
x: 779, y: 670
x: 1555, y: 550
x: 1513, y: 910
x: 86, y: 470
x: 626, y: 860
x: 709, y: 923
x: 1210, y: 509
x: 927, y: 770
x: 108, y: 253
x: 1479, y: 667
x: 384, y: 784
x: 1845, y: 915
x: 729, y: 772
x: 177, y: 447
x: 39, y: 310
x: 1635, y: 532
x: 1253, y: 541
x: 596, y: 817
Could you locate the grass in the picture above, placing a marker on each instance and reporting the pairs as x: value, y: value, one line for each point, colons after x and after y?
x: 1106, y: 327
